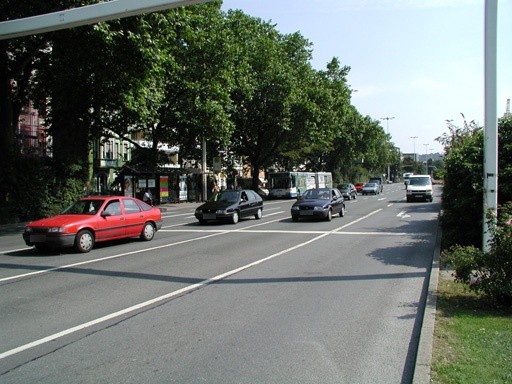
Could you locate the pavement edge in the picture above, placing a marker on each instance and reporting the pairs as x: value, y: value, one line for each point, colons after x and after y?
x: 422, y: 369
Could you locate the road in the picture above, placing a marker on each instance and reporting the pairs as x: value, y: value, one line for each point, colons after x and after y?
x: 262, y: 301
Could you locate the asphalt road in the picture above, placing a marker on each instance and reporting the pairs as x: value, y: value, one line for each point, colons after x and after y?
x: 262, y: 301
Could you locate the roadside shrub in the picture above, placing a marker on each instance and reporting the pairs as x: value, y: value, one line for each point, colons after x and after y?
x: 488, y: 272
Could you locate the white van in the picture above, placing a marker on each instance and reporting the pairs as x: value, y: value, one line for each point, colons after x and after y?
x: 419, y: 188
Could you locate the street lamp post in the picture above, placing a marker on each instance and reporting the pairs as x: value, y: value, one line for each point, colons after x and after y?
x: 387, y: 118
x: 414, y: 146
x: 426, y: 164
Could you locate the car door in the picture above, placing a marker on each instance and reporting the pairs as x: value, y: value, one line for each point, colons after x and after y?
x: 112, y: 222
x: 244, y: 205
x: 254, y: 202
x: 134, y: 217
x: 336, y: 201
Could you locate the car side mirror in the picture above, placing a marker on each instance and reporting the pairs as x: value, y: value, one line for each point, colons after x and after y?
x: 105, y: 214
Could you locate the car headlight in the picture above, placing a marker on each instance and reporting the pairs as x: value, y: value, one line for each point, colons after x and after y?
x: 318, y: 208
x: 295, y: 208
x: 56, y: 230
x: 221, y: 212
x: 29, y: 229
x: 198, y: 211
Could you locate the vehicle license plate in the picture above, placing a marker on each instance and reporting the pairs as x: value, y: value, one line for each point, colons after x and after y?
x: 306, y: 213
x: 209, y: 216
x: 37, y: 238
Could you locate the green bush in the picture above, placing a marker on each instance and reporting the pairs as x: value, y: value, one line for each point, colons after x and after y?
x: 41, y: 190
x: 488, y: 272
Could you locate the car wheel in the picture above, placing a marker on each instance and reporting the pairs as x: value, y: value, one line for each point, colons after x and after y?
x: 259, y: 214
x: 295, y: 218
x: 84, y: 241
x: 342, y: 212
x: 235, y: 218
x: 329, y: 215
x: 202, y: 221
x: 148, y: 232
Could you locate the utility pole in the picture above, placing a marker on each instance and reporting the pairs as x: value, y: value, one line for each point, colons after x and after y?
x: 491, y: 120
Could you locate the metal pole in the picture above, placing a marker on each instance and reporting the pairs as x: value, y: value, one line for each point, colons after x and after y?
x: 414, y: 146
x: 205, y: 187
x: 491, y: 120
x: 426, y: 155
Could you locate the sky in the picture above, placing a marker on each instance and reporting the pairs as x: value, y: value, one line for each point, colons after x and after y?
x: 419, y: 63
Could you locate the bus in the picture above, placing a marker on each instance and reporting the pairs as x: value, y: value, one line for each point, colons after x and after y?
x: 292, y: 184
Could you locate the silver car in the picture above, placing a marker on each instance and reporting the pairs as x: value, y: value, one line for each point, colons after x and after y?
x: 371, y: 188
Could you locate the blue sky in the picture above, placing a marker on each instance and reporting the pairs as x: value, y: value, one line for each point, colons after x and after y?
x: 419, y: 62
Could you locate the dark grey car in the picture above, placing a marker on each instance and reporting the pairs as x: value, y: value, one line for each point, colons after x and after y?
x: 348, y: 190
x: 320, y: 203
x: 230, y: 205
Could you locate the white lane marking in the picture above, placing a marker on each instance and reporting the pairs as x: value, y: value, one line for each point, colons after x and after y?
x: 108, y: 257
x: 158, y: 299
x: 361, y: 218
x: 403, y: 214
x: 298, y: 232
x: 16, y: 250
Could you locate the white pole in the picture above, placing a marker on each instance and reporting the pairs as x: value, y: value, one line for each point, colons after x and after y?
x: 89, y: 14
x: 491, y: 120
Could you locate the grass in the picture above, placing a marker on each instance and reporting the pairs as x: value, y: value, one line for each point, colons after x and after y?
x: 472, y: 340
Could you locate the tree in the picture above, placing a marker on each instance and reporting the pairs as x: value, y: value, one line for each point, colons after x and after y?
x: 270, y: 73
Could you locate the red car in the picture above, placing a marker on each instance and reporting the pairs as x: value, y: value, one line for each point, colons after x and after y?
x: 94, y: 219
x: 359, y: 187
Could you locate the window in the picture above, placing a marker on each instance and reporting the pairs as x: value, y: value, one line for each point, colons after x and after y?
x: 130, y: 206
x: 114, y: 208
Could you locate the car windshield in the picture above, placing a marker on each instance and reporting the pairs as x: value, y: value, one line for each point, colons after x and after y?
x: 419, y: 181
x: 370, y: 185
x: 323, y: 194
x: 84, y: 207
x: 227, y: 196
x: 345, y: 186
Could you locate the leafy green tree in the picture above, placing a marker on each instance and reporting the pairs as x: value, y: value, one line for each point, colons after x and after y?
x: 268, y: 96
x: 462, y: 198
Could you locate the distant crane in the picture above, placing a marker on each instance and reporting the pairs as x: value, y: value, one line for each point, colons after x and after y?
x: 507, y: 110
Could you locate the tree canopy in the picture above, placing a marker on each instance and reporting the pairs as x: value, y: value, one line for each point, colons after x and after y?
x: 179, y: 76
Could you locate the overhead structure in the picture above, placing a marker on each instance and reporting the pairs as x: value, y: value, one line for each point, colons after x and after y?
x: 89, y: 14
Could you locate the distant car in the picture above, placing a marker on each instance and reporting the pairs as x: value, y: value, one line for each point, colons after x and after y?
x: 359, y: 187
x: 371, y: 188
x: 377, y: 180
x: 419, y: 188
x: 230, y: 205
x: 320, y: 203
x: 94, y: 219
x: 348, y: 191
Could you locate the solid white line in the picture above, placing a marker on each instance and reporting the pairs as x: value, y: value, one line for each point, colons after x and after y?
x: 144, y: 304
x: 16, y: 250
x: 167, y: 296
x: 107, y: 258
x: 361, y: 218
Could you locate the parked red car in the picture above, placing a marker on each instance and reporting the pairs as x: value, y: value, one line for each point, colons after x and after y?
x: 359, y: 187
x: 94, y: 219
